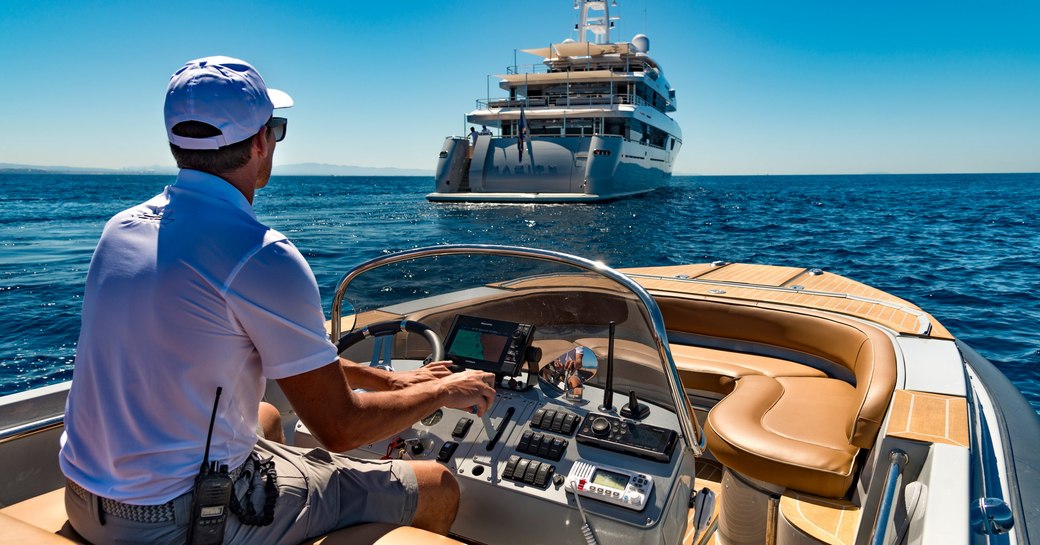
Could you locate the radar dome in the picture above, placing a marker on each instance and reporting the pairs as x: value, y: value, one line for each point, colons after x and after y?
x: 568, y: 41
x: 641, y: 43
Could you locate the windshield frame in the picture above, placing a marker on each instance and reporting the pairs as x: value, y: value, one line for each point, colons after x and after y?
x: 693, y: 435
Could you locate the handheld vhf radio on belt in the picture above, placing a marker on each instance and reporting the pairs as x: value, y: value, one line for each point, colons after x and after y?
x: 209, y: 502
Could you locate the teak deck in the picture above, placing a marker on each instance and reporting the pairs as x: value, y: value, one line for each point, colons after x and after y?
x: 792, y: 286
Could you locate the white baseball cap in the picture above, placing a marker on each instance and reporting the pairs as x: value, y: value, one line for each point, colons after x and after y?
x: 227, y: 93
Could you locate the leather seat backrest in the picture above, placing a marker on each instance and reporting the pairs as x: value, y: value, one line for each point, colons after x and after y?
x: 864, y: 350
x: 875, y: 381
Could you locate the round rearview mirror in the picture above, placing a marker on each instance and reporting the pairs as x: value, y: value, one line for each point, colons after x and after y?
x: 567, y: 373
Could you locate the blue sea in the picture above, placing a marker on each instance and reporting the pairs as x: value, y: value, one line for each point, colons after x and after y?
x: 964, y: 247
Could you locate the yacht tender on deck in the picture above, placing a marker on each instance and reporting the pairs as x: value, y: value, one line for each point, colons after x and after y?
x: 589, y: 124
x: 814, y: 409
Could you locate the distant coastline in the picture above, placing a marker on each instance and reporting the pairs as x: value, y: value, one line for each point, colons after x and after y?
x: 298, y: 169
x: 325, y: 169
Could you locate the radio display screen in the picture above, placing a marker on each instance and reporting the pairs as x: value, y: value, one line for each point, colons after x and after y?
x: 482, y: 344
x: 649, y: 437
x: 610, y: 479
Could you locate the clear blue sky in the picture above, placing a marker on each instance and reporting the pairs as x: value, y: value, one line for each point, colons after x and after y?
x: 763, y: 86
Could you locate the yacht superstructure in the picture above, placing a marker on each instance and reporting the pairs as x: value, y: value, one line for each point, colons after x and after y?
x: 589, y: 123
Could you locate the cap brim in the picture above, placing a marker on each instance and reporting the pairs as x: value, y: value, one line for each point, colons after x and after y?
x: 280, y: 99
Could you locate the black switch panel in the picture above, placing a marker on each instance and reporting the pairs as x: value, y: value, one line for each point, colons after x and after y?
x: 536, y: 420
x: 527, y: 471
x: 545, y: 446
x: 447, y: 449
x: 510, y: 467
x: 555, y: 421
x: 462, y: 427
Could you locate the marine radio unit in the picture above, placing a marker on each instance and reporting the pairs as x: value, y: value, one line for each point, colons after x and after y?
x: 628, y: 489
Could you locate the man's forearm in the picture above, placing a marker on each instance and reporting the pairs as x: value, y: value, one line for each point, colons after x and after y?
x: 378, y: 380
x: 363, y: 376
x: 343, y: 419
x: 380, y: 415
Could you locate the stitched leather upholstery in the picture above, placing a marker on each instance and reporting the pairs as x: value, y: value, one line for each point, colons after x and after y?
x: 717, y: 370
x: 799, y: 430
x: 788, y: 431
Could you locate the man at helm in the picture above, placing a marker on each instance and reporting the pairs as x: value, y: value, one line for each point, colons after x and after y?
x: 189, y: 292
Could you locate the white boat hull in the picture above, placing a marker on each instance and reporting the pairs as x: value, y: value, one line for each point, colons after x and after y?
x: 552, y: 169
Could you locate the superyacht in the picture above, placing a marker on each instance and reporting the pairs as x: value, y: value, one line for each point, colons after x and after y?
x: 589, y: 123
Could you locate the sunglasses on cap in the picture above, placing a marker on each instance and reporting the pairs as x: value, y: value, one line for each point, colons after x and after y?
x: 277, y: 126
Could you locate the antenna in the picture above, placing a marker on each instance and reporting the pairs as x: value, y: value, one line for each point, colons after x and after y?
x: 211, y: 497
x: 644, y: 17
x: 608, y: 394
x: 209, y: 435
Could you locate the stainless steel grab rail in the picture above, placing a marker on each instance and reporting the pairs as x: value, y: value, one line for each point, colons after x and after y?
x: 897, y: 460
x: 31, y: 428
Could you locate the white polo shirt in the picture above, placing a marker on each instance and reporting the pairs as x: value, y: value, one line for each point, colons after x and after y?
x: 185, y: 293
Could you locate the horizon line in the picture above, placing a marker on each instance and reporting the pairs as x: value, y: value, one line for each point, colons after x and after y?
x: 144, y: 171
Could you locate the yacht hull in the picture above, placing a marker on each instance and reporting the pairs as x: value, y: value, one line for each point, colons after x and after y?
x: 551, y: 169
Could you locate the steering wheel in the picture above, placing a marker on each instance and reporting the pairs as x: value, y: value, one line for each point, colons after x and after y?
x: 390, y: 328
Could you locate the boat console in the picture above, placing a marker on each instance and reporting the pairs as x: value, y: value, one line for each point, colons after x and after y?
x: 558, y: 454
x: 520, y: 464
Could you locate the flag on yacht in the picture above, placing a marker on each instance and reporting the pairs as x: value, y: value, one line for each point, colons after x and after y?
x: 521, y: 133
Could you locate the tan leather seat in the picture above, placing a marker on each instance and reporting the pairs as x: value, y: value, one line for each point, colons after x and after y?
x: 47, y: 513
x: 802, y: 432
x: 716, y: 371
x: 864, y: 350
x: 703, y: 368
x: 789, y: 431
x: 14, y: 530
x: 42, y: 520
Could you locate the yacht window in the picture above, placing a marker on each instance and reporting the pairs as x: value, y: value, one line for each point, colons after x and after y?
x: 614, y: 126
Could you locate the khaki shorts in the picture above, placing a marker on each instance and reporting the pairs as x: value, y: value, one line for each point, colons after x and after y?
x: 318, y: 492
